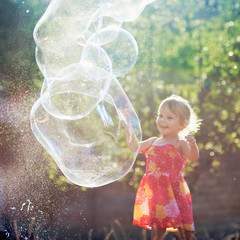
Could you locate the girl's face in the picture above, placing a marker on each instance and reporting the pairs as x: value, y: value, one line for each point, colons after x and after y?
x: 168, y: 123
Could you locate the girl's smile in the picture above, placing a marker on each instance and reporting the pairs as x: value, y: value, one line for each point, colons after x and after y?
x: 168, y: 123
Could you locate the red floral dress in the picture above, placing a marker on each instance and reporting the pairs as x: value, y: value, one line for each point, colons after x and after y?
x: 163, y: 198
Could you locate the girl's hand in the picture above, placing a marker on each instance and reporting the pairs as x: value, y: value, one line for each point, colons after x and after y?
x: 191, y: 140
x: 126, y: 117
x: 191, y: 151
x: 131, y: 139
x: 126, y: 113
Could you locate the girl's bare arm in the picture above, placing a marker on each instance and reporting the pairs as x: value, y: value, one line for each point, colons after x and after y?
x: 190, y: 149
x: 133, y: 142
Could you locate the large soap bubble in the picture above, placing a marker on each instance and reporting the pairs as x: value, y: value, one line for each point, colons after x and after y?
x: 77, y: 94
x: 127, y: 10
x: 79, y: 118
x: 120, y: 46
x: 90, y: 151
x: 56, y: 32
x: 97, y: 56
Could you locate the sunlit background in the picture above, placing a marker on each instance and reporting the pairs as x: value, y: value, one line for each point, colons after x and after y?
x: 186, y: 47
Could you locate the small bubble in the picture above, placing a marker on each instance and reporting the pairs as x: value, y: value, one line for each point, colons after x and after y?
x: 230, y: 54
x: 137, y: 169
x: 27, y: 11
x: 235, y: 67
x: 204, y: 76
x: 196, y: 58
x: 230, y: 24
x: 176, y: 19
x: 142, y: 163
x: 212, y: 154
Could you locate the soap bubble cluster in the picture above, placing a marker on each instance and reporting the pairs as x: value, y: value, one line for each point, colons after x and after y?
x: 79, y: 118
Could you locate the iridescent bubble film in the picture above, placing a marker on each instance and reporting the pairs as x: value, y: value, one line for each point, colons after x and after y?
x: 79, y: 117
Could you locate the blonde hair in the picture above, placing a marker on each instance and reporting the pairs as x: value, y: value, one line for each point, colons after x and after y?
x: 181, y: 108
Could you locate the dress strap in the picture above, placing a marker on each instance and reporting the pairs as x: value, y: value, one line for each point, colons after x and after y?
x: 147, y: 148
x: 153, y: 142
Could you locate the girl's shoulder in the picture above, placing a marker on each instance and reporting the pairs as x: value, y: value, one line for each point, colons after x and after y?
x: 181, y: 143
x: 147, y: 143
x: 182, y: 146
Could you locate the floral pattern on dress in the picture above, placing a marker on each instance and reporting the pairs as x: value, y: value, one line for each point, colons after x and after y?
x: 163, y: 198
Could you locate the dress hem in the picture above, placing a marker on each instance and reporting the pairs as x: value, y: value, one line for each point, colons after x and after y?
x: 168, y: 229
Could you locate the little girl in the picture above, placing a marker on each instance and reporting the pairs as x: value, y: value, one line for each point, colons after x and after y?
x: 163, y: 201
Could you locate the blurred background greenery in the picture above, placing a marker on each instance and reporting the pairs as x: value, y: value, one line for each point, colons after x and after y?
x: 186, y: 47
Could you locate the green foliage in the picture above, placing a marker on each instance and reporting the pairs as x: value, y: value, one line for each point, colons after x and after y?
x: 187, y: 47
x: 17, y: 61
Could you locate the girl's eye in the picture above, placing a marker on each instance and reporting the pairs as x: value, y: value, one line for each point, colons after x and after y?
x: 170, y: 118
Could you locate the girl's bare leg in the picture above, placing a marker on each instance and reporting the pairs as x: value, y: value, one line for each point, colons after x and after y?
x: 158, y: 234
x: 185, y: 235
